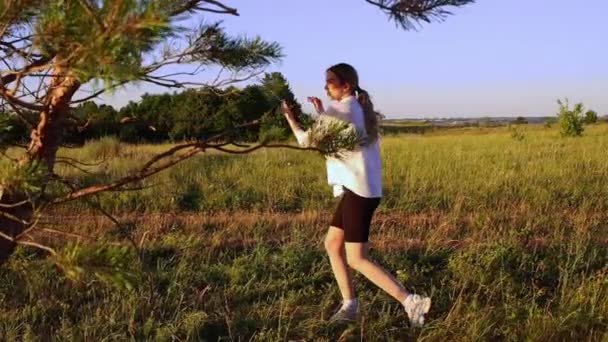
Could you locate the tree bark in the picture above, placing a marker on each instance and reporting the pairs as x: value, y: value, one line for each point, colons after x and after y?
x: 46, y: 138
x: 45, y: 141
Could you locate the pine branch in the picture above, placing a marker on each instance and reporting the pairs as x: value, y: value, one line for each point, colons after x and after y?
x: 14, y: 218
x: 333, y: 137
x: 211, y: 45
x: 178, y: 7
x: 201, y: 144
x: 99, y: 92
x: 408, y: 14
x: 147, y: 170
x: 14, y: 205
x: 224, y: 8
x: 70, y: 164
x: 81, y: 163
x: 91, y: 190
x: 29, y: 123
x: 91, y: 12
x: 6, y: 94
x: 39, y: 64
x: 12, y: 49
x: 263, y: 145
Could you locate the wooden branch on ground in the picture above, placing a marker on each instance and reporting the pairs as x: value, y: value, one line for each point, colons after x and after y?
x: 37, y: 245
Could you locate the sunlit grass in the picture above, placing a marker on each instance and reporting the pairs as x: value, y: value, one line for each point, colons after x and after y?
x: 508, y: 235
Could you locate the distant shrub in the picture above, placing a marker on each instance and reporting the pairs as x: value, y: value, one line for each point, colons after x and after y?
x: 520, y: 120
x: 570, y: 121
x: 591, y: 117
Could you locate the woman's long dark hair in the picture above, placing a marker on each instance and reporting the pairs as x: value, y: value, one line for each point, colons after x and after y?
x: 347, y: 74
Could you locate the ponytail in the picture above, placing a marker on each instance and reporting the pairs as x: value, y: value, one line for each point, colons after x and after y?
x: 370, y: 116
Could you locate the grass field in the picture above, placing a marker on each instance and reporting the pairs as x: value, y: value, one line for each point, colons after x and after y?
x: 506, y: 229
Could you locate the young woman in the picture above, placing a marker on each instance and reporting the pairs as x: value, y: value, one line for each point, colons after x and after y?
x: 357, y: 178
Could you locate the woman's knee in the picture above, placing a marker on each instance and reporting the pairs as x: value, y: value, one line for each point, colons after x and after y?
x: 355, y: 261
x: 356, y: 256
x: 334, y: 244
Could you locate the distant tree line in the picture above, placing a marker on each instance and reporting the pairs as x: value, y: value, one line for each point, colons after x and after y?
x: 188, y: 115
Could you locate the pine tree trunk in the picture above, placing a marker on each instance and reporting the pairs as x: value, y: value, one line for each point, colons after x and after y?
x: 45, y: 141
x: 46, y: 138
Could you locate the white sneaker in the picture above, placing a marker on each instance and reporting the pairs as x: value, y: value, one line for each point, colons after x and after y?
x: 416, y: 307
x: 346, y: 314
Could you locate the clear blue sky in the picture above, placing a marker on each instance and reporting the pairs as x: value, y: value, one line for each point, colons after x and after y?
x: 492, y: 58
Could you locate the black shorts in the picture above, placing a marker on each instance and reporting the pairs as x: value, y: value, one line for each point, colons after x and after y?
x: 354, y: 216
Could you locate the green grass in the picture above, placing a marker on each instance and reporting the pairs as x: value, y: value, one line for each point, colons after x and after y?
x: 467, y: 169
x: 509, y: 237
